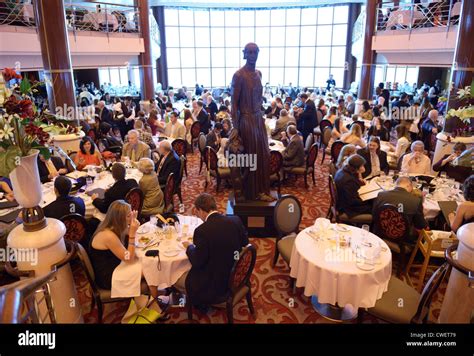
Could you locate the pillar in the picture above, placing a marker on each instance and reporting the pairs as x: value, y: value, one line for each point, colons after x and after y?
x: 462, y: 71
x: 367, y: 65
x: 162, y: 62
x: 53, y: 36
x: 351, y: 63
x: 147, y: 87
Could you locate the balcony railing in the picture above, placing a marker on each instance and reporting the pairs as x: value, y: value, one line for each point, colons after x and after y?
x: 408, y: 16
x: 100, y: 17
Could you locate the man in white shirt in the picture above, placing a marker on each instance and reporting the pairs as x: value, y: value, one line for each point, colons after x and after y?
x: 416, y: 162
x: 174, y: 129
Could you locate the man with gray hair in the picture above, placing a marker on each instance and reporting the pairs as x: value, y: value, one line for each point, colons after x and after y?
x: 407, y: 203
x: 168, y: 163
x: 416, y: 162
x: 134, y: 148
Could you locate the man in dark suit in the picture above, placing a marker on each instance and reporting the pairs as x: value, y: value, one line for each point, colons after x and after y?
x: 429, y: 128
x: 117, y: 191
x: 213, y: 138
x: 50, y: 168
x: 408, y: 203
x: 203, y: 118
x: 308, y: 116
x: 216, y: 243
x: 293, y: 155
x: 104, y: 114
x: 375, y: 158
x: 168, y: 163
x: 64, y: 204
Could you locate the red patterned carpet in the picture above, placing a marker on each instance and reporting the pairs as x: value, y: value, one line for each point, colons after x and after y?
x: 273, y: 298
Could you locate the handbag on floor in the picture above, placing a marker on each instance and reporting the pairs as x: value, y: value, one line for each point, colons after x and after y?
x: 142, y: 310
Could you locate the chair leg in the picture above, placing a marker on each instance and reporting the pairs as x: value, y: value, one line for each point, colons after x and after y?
x: 275, y: 257
x: 324, y: 155
x: 100, y: 310
x: 314, y: 180
x: 200, y: 165
x: 179, y: 195
x: 306, y: 181
x: 189, y: 306
x: 186, y: 168
x: 250, y: 303
x: 230, y: 312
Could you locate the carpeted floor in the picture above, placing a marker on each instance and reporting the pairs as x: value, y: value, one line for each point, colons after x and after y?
x: 273, y: 298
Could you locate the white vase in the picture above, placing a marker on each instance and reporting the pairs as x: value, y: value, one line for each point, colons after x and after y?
x: 26, y: 181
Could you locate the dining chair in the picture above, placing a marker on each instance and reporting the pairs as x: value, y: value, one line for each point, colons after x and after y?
x: 239, y: 284
x: 195, y: 133
x: 286, y: 219
x: 180, y: 147
x: 76, y: 227
x: 337, y: 217
x: 276, y: 164
x: 202, y: 141
x: 326, y: 137
x: 393, y: 227
x: 308, y: 167
x: 336, y: 149
x: 212, y: 165
x: 168, y: 193
x: 135, y: 198
x: 416, y: 306
x: 100, y: 296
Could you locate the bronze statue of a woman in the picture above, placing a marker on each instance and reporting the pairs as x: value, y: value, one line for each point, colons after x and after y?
x: 247, y: 118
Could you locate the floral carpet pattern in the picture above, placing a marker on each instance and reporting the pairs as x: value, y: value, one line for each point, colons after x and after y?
x: 273, y: 298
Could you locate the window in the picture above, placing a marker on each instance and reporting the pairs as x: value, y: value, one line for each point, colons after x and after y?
x: 298, y: 45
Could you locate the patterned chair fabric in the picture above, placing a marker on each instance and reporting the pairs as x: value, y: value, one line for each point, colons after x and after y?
x: 179, y: 146
x: 336, y: 149
x: 243, y: 268
x: 195, y: 130
x: 76, y: 227
x: 135, y: 198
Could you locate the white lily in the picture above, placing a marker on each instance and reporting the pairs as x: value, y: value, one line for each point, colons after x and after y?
x: 7, y: 132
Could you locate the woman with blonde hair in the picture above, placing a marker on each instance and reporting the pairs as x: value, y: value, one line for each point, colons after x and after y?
x: 153, y: 202
x: 354, y: 136
x: 113, y: 242
x: 188, y: 122
x: 346, y: 151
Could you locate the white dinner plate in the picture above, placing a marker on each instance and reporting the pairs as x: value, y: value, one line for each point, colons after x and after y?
x: 171, y: 253
x: 143, y: 229
x: 365, y: 266
x: 342, y: 228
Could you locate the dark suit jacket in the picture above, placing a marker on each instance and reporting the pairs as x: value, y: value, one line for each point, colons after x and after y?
x: 172, y: 164
x: 293, y: 155
x: 348, y: 199
x: 270, y: 109
x: 212, y: 109
x: 116, y: 192
x: 203, y: 119
x: 106, y: 116
x: 212, y: 256
x: 211, y: 140
x: 43, y: 169
x: 411, y: 204
x: 64, y: 206
x: 458, y: 173
x: 308, y: 118
x: 368, y: 165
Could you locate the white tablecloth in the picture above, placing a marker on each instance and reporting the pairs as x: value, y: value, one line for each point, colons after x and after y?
x: 171, y: 267
x: 403, y: 17
x: 332, y: 274
x: 101, y: 18
x: 276, y: 145
x: 28, y: 12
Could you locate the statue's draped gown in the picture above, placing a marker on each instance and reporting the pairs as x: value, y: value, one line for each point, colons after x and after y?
x: 247, y: 118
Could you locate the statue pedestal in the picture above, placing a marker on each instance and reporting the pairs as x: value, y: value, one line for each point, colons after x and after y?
x: 444, y: 147
x: 68, y: 143
x: 42, y: 249
x: 256, y: 215
x: 458, y: 303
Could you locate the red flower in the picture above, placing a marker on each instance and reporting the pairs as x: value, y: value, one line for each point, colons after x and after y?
x: 9, y: 74
x: 24, y: 107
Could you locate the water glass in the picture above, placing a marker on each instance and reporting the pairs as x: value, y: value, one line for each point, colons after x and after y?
x: 88, y: 181
x: 391, y: 173
x: 153, y: 220
x: 443, y: 175
x: 426, y: 191
x: 365, y: 230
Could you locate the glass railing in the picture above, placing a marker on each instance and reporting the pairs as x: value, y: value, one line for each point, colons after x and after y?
x: 101, y: 17
x: 408, y: 16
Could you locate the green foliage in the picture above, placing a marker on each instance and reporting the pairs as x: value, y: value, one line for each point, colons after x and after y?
x: 9, y: 159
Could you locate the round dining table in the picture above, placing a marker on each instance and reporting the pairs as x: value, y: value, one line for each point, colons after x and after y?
x: 342, y: 267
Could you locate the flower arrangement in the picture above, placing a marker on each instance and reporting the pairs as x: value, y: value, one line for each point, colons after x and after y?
x: 20, y: 124
x: 466, y: 111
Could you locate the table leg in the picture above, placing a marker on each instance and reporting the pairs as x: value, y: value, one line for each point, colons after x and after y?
x: 334, y: 312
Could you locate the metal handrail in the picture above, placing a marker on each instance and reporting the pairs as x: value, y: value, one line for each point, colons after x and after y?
x: 410, y: 16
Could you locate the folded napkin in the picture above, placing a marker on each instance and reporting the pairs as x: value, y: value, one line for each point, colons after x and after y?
x: 126, y: 279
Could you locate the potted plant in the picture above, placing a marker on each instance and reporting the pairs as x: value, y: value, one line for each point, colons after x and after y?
x: 21, y: 139
x: 459, y: 122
